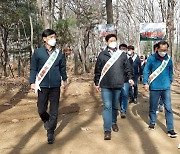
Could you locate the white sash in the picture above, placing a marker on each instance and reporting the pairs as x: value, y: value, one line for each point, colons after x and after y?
x: 134, y: 57
x: 158, y: 70
x: 44, y: 70
x: 109, y: 63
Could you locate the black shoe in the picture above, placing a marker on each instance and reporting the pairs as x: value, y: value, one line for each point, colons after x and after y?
x: 131, y: 101
x: 50, y: 138
x: 172, y: 134
x: 107, y: 135
x: 46, y: 125
x: 151, y: 126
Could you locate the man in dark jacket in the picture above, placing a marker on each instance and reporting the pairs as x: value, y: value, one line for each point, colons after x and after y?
x: 137, y: 72
x: 125, y: 90
x: 50, y: 74
x: 112, y: 82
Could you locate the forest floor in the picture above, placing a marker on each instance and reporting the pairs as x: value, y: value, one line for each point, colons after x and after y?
x: 80, y: 124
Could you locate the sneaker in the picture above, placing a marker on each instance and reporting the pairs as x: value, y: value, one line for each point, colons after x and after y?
x: 157, y: 112
x: 46, y: 125
x: 115, y: 127
x: 135, y: 101
x: 107, y: 135
x: 161, y: 108
x: 50, y: 138
x: 172, y: 134
x: 123, y: 114
x: 151, y: 126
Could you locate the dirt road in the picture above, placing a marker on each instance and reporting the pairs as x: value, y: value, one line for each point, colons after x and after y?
x: 80, y: 125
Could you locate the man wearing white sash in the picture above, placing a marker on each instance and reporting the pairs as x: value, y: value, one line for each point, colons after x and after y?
x: 47, y: 69
x: 109, y: 72
x: 158, y: 76
x: 137, y: 69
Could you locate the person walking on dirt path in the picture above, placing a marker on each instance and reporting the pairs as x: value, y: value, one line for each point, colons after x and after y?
x: 133, y: 91
x: 110, y: 68
x: 158, y: 76
x: 125, y: 91
x: 47, y: 69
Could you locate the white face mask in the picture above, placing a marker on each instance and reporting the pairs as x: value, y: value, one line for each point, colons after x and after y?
x: 129, y: 53
x: 162, y: 54
x: 52, y: 42
x: 113, y: 45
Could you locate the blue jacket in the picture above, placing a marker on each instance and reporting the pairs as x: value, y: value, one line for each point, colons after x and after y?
x: 164, y: 79
x: 56, y: 72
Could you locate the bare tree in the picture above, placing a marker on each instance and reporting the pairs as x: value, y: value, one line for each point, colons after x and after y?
x: 170, y: 25
x: 4, y: 31
x: 45, y: 11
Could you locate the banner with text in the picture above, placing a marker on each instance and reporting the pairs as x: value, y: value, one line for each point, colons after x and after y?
x: 152, y: 31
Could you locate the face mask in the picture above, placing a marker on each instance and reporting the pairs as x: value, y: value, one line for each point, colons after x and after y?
x: 162, y: 54
x: 112, y: 45
x: 52, y: 42
x: 129, y: 53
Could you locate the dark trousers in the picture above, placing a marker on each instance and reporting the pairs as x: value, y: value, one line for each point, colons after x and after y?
x: 53, y: 95
x: 134, y: 93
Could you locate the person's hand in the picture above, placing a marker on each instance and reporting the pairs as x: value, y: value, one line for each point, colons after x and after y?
x: 131, y: 82
x: 146, y: 87
x: 65, y: 84
x: 98, y: 88
x: 33, y: 86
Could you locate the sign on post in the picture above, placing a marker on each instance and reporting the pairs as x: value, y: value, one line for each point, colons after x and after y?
x: 152, y: 31
x: 105, y: 29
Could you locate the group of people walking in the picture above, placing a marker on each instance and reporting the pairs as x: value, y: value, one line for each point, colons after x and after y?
x: 116, y: 76
x: 117, y: 70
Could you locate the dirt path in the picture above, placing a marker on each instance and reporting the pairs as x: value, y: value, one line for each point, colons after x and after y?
x: 80, y: 125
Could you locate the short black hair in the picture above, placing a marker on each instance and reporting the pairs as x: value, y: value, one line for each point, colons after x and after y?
x: 155, y: 46
x: 130, y: 47
x: 109, y: 36
x: 122, y: 45
x: 163, y: 43
x: 48, y: 32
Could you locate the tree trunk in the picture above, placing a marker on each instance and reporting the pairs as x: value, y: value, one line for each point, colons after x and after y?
x: 4, y: 56
x: 86, y: 43
x: 109, y: 11
x: 32, y: 34
x: 60, y: 9
x: 20, y: 70
x: 170, y: 26
x: 42, y: 13
x: 76, y: 61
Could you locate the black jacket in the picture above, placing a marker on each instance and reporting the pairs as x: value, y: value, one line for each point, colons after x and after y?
x: 114, y: 78
x: 137, y: 68
x: 56, y: 72
x: 131, y: 66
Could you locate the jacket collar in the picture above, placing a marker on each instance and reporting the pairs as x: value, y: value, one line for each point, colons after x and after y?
x: 106, y: 52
